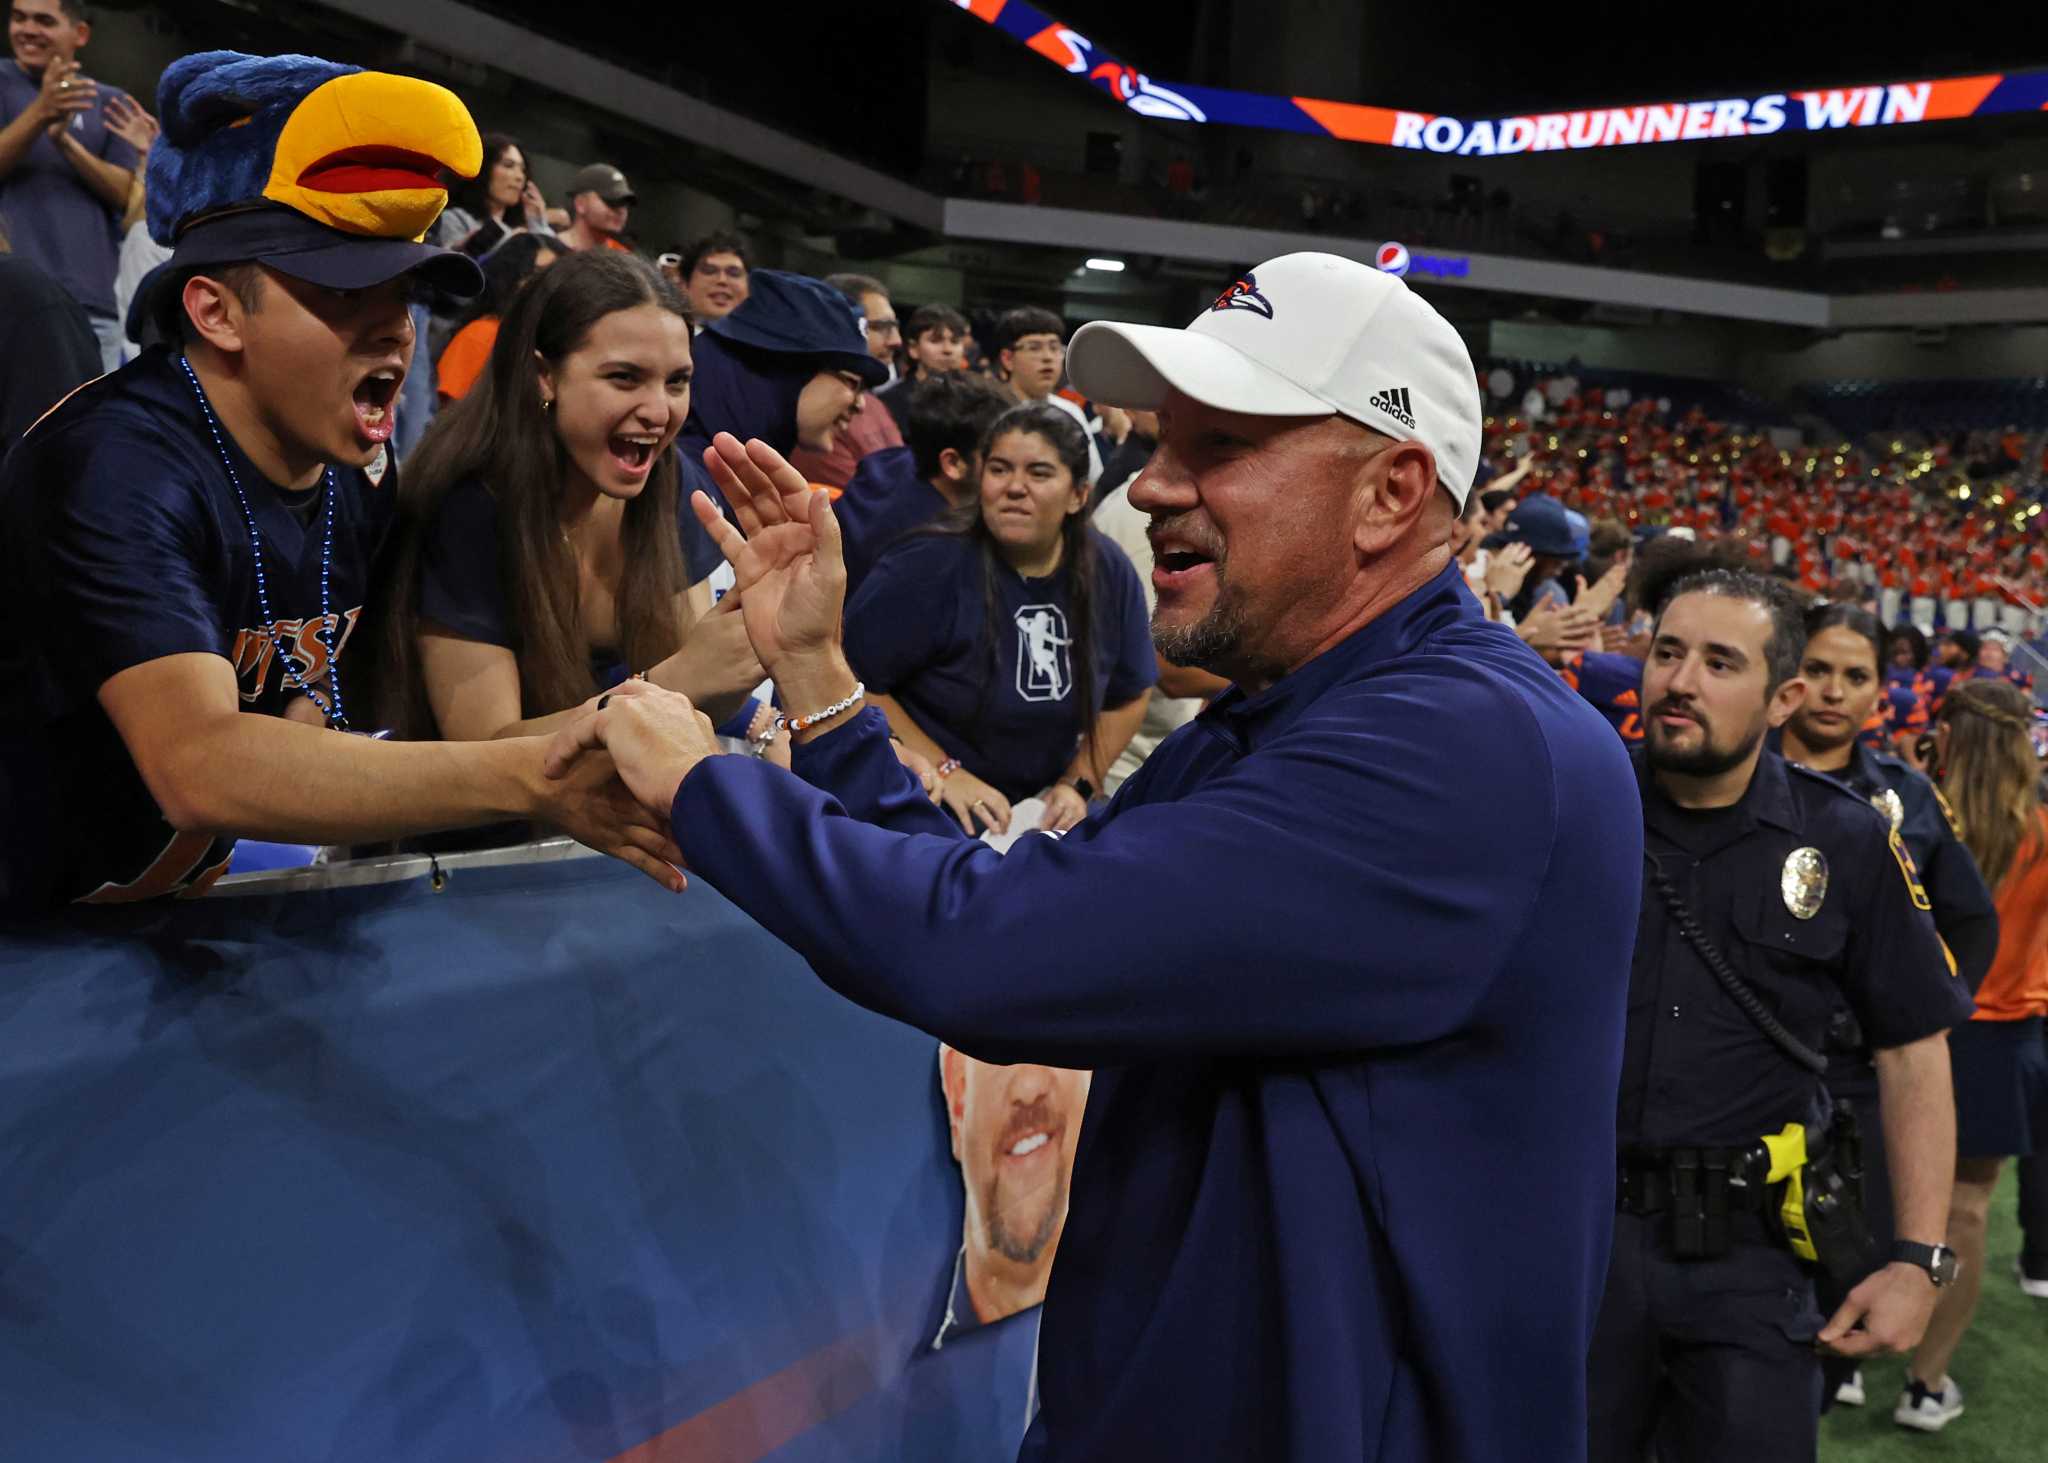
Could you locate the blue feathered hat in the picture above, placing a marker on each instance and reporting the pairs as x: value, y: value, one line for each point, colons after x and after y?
x: 353, y: 150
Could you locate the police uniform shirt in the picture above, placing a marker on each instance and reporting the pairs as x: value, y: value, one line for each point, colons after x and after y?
x: 884, y: 500
x: 1964, y: 912
x: 1345, y: 1184
x: 1695, y: 1068
x: 122, y: 542
x: 998, y: 694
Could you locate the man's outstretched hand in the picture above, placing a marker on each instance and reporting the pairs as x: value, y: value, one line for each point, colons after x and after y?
x: 654, y: 737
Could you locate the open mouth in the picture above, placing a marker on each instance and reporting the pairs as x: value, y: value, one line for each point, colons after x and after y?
x: 370, y: 170
x: 633, y: 452
x: 373, y: 398
x: 1176, y: 568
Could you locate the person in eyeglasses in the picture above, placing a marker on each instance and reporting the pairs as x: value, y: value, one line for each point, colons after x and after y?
x: 1031, y: 359
x: 787, y: 366
x: 872, y: 428
x: 714, y: 276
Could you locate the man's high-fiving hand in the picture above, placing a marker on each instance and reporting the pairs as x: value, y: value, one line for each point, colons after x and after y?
x: 654, y: 737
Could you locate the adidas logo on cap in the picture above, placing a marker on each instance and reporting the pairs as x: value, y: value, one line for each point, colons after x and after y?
x: 1393, y: 400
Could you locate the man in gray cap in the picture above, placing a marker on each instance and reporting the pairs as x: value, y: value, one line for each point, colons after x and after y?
x: 600, y: 201
x: 1345, y: 1183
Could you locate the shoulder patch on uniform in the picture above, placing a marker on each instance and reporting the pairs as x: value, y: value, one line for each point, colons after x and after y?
x: 1911, y: 873
x: 1955, y: 824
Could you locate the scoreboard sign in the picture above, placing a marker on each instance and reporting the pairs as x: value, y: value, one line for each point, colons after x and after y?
x: 1888, y: 104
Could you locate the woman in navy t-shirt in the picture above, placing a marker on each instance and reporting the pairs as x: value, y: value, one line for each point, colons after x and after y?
x: 1010, y: 644
x: 542, y: 561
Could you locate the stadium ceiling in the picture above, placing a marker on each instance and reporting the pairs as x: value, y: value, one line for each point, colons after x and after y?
x: 1809, y: 109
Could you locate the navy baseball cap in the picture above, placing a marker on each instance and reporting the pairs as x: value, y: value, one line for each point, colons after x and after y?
x: 290, y: 243
x: 794, y: 315
x: 1548, y: 528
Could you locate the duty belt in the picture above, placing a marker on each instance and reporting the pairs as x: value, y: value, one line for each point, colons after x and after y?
x: 1656, y: 1180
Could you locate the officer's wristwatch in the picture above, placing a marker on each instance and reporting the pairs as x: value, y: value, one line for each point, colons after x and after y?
x: 1939, y: 1261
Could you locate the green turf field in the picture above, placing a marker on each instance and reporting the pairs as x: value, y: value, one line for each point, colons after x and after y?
x: 2002, y: 1369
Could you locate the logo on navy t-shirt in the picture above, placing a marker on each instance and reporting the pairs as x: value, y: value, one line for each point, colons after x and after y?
x: 1043, y: 670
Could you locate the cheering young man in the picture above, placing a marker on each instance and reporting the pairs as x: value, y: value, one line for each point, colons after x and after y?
x: 190, y: 539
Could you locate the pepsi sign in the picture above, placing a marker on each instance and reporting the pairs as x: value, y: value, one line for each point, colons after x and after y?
x: 1397, y: 260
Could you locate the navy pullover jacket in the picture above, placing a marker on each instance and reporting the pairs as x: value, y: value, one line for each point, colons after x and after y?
x: 1350, y: 958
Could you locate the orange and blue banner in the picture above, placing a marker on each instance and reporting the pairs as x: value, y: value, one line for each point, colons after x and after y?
x: 1817, y: 109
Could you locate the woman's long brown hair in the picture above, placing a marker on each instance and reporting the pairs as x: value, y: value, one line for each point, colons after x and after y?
x: 500, y: 436
x: 1991, y: 774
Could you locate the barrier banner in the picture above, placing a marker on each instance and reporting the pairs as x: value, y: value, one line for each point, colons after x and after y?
x: 544, y: 1165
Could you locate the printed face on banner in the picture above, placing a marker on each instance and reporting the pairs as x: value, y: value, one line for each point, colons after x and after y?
x: 1014, y: 1131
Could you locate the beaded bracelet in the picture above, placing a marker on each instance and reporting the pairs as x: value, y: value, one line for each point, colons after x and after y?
x: 947, y: 768
x: 845, y: 703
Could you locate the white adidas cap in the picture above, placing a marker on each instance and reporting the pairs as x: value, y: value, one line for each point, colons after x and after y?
x: 1304, y: 335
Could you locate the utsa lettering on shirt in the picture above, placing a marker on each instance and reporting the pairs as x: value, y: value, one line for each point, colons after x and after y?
x: 122, y: 542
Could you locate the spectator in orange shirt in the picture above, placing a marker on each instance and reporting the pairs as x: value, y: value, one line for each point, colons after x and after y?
x: 1991, y: 776
x: 468, y: 351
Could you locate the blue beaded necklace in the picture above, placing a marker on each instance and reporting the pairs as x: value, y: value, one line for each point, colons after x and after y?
x: 330, y: 705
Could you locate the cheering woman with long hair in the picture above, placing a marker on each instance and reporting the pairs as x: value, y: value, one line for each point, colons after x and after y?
x: 1987, y: 767
x: 542, y: 561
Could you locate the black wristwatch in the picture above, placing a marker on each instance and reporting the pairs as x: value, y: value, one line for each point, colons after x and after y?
x: 1084, y: 787
x: 1939, y: 1261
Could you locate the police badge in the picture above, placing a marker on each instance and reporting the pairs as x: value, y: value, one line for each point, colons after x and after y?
x: 1804, y: 882
x: 1887, y: 803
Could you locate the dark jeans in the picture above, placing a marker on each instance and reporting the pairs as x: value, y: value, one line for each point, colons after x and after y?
x: 1709, y: 1361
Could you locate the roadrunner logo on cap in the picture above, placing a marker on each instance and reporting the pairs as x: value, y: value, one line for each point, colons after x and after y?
x: 1244, y: 295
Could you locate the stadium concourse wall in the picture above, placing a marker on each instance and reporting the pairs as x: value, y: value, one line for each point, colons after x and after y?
x: 511, y: 1157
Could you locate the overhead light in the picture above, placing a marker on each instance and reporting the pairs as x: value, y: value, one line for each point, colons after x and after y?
x: 1107, y: 266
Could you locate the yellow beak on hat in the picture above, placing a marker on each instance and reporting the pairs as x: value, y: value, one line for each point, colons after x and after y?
x: 360, y: 154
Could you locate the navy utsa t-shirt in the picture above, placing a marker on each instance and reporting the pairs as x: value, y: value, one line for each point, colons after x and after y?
x: 121, y: 542
x: 918, y: 630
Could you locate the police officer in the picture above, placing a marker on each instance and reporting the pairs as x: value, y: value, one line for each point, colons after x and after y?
x: 1771, y: 892
x: 1843, y: 683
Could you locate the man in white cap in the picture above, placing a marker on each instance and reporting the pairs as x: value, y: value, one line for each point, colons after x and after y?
x: 1345, y: 1180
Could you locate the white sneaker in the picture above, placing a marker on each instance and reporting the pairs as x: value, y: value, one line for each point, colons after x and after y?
x: 2038, y: 1289
x: 1929, y: 1412
x: 1850, y: 1393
